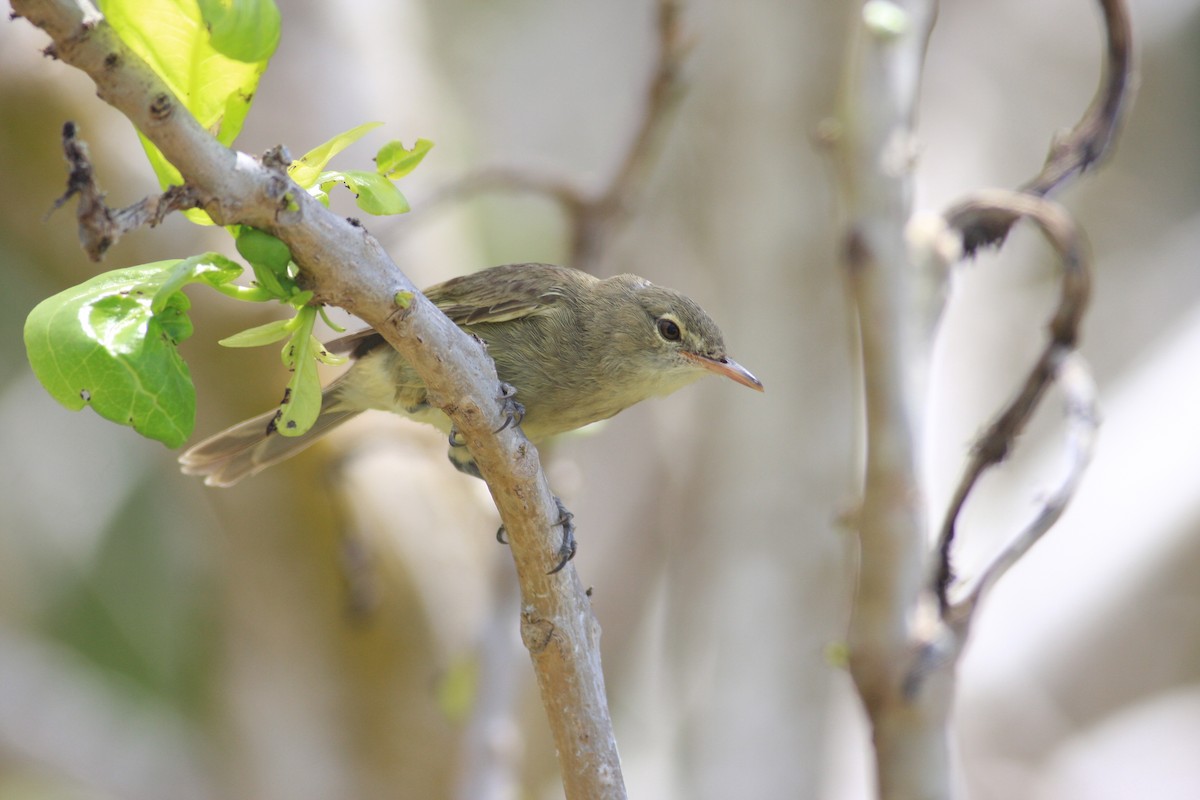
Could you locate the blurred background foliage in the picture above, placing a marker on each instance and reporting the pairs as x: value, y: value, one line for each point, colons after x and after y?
x: 345, y: 625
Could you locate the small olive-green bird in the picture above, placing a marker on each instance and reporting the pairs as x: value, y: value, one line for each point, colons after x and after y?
x: 575, y: 348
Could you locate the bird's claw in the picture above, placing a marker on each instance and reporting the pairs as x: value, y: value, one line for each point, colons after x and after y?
x: 566, y: 551
x: 513, y: 411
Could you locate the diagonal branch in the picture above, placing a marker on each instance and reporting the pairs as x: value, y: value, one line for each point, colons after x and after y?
x: 349, y: 268
x: 994, y: 445
x: 1088, y: 142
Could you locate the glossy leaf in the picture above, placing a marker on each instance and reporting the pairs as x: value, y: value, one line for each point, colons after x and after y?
x: 373, y: 193
x: 302, y: 399
x: 395, y: 161
x: 110, y: 343
x: 306, y: 170
x: 173, y: 38
x: 269, y: 257
x: 244, y: 30
x: 274, y: 331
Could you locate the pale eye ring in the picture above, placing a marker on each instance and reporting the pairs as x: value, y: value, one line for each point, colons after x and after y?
x: 669, y: 329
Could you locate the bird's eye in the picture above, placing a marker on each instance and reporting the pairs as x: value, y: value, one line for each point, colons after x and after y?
x: 669, y: 330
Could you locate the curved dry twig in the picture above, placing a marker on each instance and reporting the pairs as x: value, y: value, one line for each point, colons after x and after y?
x: 993, y: 446
x: 1083, y: 145
x: 593, y: 216
x: 100, y: 227
x: 1073, y: 377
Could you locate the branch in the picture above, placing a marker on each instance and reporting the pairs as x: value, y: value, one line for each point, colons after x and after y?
x: 872, y: 139
x: 1092, y: 137
x: 349, y: 268
x: 1073, y: 377
x: 593, y: 217
x: 994, y: 445
x: 100, y: 227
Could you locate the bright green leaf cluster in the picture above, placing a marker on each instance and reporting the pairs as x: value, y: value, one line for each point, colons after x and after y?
x: 111, y: 342
x: 214, y: 75
x: 374, y: 191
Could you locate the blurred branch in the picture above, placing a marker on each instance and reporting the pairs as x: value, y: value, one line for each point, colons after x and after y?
x: 994, y: 445
x: 593, y: 217
x: 872, y: 141
x: 903, y: 652
x: 1075, y: 380
x: 349, y: 268
x: 1088, y: 142
x: 492, y: 746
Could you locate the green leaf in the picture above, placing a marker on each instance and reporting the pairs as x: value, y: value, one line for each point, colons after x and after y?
x: 306, y: 170
x: 325, y: 318
x: 373, y: 193
x: 274, y: 331
x: 269, y: 257
x: 244, y: 30
x: 395, y: 161
x: 324, y: 356
x: 110, y: 343
x: 212, y: 269
x: 173, y: 38
x: 302, y: 399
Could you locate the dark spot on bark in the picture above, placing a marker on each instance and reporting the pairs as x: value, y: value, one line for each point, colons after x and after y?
x: 112, y: 60
x: 51, y: 51
x: 161, y: 107
x: 355, y: 221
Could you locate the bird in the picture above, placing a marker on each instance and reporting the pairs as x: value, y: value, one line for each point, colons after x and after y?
x: 569, y: 348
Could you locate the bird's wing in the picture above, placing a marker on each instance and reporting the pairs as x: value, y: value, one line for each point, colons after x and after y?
x: 355, y: 344
x: 498, y: 294
x: 502, y: 294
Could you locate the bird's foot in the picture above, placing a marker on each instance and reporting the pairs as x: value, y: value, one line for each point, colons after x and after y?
x: 566, y: 551
x: 513, y: 411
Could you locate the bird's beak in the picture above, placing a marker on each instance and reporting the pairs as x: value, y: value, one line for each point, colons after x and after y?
x: 727, y: 367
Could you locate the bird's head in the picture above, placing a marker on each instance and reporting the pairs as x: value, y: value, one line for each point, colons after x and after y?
x: 667, y: 340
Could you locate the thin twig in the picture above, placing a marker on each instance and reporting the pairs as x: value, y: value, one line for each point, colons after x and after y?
x: 994, y: 445
x: 594, y: 216
x: 1073, y: 377
x: 1089, y: 141
x: 100, y: 227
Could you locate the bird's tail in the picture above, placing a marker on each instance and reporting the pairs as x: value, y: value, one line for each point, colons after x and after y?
x: 251, y: 446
